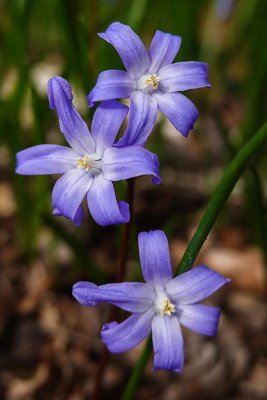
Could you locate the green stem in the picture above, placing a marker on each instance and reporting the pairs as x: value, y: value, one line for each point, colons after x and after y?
x: 220, y: 196
x: 137, y: 372
x: 215, y: 205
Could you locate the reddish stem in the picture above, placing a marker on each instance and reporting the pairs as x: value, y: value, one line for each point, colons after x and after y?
x: 120, y: 272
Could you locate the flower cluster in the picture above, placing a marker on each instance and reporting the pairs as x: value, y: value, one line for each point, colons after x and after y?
x: 94, y: 160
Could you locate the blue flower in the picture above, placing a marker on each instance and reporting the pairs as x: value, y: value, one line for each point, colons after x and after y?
x: 160, y: 305
x: 91, y: 163
x: 151, y: 81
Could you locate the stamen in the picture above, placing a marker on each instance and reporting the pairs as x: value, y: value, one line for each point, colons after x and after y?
x: 153, y: 81
x: 168, y: 308
x: 84, y: 163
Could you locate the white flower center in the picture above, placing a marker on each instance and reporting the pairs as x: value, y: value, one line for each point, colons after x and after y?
x: 148, y: 82
x: 90, y: 162
x: 163, y: 305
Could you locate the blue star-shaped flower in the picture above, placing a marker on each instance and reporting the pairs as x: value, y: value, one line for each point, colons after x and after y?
x: 151, y: 81
x: 91, y: 164
x: 160, y: 305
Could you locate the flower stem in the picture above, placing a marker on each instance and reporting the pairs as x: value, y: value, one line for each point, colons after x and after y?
x: 220, y: 196
x: 126, y: 234
x: 120, y: 272
x: 215, y: 205
x: 137, y: 372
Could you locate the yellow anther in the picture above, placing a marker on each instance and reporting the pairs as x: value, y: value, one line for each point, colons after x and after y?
x: 84, y: 163
x: 153, y: 81
x: 168, y: 308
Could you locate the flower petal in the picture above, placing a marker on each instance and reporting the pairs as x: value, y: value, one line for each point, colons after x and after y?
x: 77, y: 219
x: 163, y: 50
x: 133, y: 297
x: 122, y: 337
x: 71, y: 123
x: 142, y: 118
x: 69, y: 191
x: 103, y: 204
x: 195, y: 285
x: 111, y: 84
x: 106, y: 123
x: 128, y: 162
x: 183, y: 76
x: 133, y: 53
x: 199, y: 318
x: 178, y: 109
x: 82, y: 292
x: 168, y: 343
x: 155, y: 257
x: 45, y: 159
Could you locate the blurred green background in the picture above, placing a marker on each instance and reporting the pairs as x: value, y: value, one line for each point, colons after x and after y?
x: 40, y: 39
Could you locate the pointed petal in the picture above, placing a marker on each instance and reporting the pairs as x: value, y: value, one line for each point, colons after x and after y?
x: 155, y: 257
x: 111, y: 84
x: 168, y: 343
x: 183, y: 76
x: 133, y: 53
x: 46, y: 159
x: 163, y: 50
x: 71, y: 124
x: 199, y: 318
x: 129, y: 162
x: 133, y: 297
x: 69, y: 191
x: 179, y: 110
x: 106, y: 123
x: 103, y: 205
x: 122, y: 337
x: 142, y: 118
x: 195, y: 285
